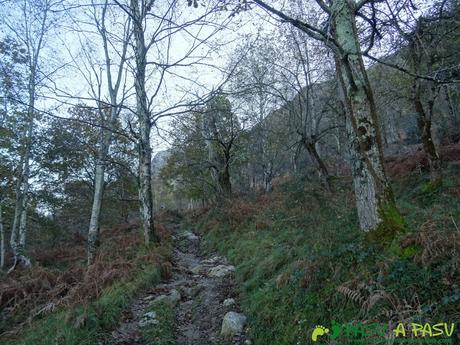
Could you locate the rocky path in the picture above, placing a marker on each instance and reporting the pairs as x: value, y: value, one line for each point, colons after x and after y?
x: 203, y: 294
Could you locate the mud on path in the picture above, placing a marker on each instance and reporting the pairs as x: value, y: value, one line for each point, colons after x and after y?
x: 198, y: 288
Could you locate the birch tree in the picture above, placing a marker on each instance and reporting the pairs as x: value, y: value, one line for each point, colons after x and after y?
x: 30, y: 26
x: 155, y: 25
x: 12, y: 61
x: 138, y: 12
x: 108, y: 110
x: 374, y: 198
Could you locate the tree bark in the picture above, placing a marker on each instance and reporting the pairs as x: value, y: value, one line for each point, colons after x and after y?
x: 224, y: 181
x: 19, y: 230
x: 106, y: 137
x: 374, y: 198
x: 268, y: 177
x: 320, y: 166
x: 422, y: 61
x: 145, y: 125
x: 2, y: 239
x: 424, y: 125
x: 93, y: 231
x: 219, y: 162
x: 34, y: 42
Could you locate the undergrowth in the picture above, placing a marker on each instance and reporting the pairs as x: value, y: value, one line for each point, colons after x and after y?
x: 302, y: 261
x: 85, y: 325
x: 61, y: 301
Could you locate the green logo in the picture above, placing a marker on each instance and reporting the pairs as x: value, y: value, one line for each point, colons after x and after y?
x: 361, y: 333
x: 319, y: 331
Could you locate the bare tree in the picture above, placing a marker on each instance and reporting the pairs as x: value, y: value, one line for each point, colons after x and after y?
x: 312, y: 102
x: 31, y: 28
x: 220, y: 131
x: 374, y: 198
x: 108, y: 111
x: 252, y: 85
x: 426, y: 43
x: 154, y: 25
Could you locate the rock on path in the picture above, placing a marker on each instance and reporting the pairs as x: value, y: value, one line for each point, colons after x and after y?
x: 232, y: 324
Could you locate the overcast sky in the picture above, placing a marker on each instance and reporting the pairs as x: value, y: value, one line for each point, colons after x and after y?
x: 73, y: 50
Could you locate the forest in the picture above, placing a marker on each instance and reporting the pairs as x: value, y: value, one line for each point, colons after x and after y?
x: 229, y: 172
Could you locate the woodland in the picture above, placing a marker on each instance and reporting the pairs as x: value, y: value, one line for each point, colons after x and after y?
x: 294, y: 165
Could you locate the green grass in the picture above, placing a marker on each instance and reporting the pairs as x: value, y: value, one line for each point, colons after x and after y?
x: 310, y: 264
x: 86, y: 325
x: 162, y: 333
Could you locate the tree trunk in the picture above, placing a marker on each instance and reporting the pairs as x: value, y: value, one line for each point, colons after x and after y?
x: 320, y: 166
x: 33, y: 40
x: 145, y: 190
x: 2, y: 239
x: 374, y: 198
x: 268, y: 177
x: 424, y: 125
x: 19, y: 230
x: 224, y: 181
x: 17, y: 209
x: 145, y: 125
x: 93, y: 231
x: 106, y: 134
x: 452, y: 110
x: 219, y: 163
x: 20, y: 257
x: 24, y: 207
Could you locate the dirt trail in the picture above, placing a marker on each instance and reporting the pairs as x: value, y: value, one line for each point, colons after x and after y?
x: 203, y: 283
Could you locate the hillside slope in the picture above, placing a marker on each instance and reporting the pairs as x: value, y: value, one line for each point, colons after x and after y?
x: 302, y: 261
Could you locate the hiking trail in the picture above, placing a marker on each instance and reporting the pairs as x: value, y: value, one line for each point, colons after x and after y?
x: 202, y: 291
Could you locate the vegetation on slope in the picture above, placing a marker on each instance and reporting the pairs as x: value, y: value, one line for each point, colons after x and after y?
x: 302, y: 260
x: 65, y: 302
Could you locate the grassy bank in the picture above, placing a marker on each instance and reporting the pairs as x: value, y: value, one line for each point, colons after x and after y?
x: 61, y: 301
x: 85, y: 325
x: 302, y: 261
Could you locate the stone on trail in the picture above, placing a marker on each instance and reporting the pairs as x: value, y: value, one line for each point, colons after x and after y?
x: 228, y: 302
x: 150, y: 315
x: 197, y: 269
x: 221, y: 271
x: 148, y: 319
x: 232, y: 324
x: 214, y: 260
x: 172, y: 299
x: 190, y: 236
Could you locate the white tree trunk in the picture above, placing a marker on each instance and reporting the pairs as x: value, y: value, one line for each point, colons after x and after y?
x: 106, y: 135
x: 24, y: 207
x: 145, y: 188
x: 33, y: 38
x: 93, y: 231
x: 145, y: 125
x: 19, y: 230
x: 374, y: 198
